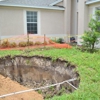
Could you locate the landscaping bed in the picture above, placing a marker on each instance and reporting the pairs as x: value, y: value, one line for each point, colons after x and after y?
x: 29, y: 41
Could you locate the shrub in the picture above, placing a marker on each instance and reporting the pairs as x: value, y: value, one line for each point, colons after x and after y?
x: 60, y: 40
x: 45, y: 42
x: 5, y: 44
x: 51, y: 42
x: 30, y: 43
x: 13, y: 44
x: 90, y: 38
x: 22, y: 44
x: 38, y: 43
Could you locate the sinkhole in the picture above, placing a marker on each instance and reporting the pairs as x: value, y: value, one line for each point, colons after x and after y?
x: 39, y: 71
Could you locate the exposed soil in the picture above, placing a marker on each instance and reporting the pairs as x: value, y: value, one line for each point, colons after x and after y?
x: 9, y: 86
x: 37, y: 71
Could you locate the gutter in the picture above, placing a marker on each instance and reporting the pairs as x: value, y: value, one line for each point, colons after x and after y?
x: 23, y: 6
x: 91, y: 2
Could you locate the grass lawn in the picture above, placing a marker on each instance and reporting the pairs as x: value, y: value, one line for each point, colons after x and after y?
x: 88, y: 66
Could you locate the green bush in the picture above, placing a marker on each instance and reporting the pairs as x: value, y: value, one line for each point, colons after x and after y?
x: 90, y: 38
x: 59, y: 40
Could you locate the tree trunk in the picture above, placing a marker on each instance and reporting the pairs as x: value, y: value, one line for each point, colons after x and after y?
x: 92, y: 47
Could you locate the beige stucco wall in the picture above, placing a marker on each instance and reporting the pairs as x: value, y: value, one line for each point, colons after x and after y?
x: 52, y: 22
x: 67, y: 18
x: 74, y: 17
x: 13, y: 21
x: 83, y: 18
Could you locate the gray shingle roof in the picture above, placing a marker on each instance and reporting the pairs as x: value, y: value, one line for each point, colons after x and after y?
x: 44, y: 3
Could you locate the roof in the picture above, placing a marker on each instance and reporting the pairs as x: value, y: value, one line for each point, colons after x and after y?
x: 92, y: 1
x: 30, y: 3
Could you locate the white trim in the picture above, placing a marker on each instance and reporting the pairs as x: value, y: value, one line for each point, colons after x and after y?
x: 52, y: 4
x: 9, y: 36
x: 93, y: 12
x: 53, y: 8
x: 38, y: 22
x: 91, y: 2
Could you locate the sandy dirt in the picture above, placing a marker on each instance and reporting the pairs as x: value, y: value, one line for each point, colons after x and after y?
x: 8, y: 86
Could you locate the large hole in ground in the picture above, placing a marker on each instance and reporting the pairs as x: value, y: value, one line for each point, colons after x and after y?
x: 38, y: 71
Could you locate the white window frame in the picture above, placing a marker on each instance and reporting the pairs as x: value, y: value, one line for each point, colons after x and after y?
x: 38, y: 21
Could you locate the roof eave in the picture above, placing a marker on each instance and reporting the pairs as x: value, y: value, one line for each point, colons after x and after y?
x: 91, y: 2
x: 24, y: 6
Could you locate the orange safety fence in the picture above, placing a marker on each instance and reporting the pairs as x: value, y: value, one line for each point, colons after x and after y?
x: 34, y: 38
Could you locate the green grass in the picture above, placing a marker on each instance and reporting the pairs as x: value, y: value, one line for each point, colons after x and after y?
x: 88, y: 66
x: 10, y: 52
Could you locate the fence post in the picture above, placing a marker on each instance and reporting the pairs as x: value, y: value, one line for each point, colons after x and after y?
x: 44, y: 40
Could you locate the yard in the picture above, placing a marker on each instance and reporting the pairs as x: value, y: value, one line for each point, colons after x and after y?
x: 88, y: 67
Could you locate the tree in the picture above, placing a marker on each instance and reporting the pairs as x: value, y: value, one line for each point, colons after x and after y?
x: 90, y: 37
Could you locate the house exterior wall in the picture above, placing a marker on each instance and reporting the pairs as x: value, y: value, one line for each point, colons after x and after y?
x: 74, y: 18
x: 52, y: 23
x: 67, y: 19
x: 83, y: 19
x: 13, y: 22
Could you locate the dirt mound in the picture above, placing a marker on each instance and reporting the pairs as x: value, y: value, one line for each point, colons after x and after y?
x: 8, y: 86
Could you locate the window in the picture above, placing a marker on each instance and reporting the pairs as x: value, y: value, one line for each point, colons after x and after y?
x: 31, y: 22
x: 98, y: 8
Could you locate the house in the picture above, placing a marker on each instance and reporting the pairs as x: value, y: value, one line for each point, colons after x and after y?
x: 55, y: 18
